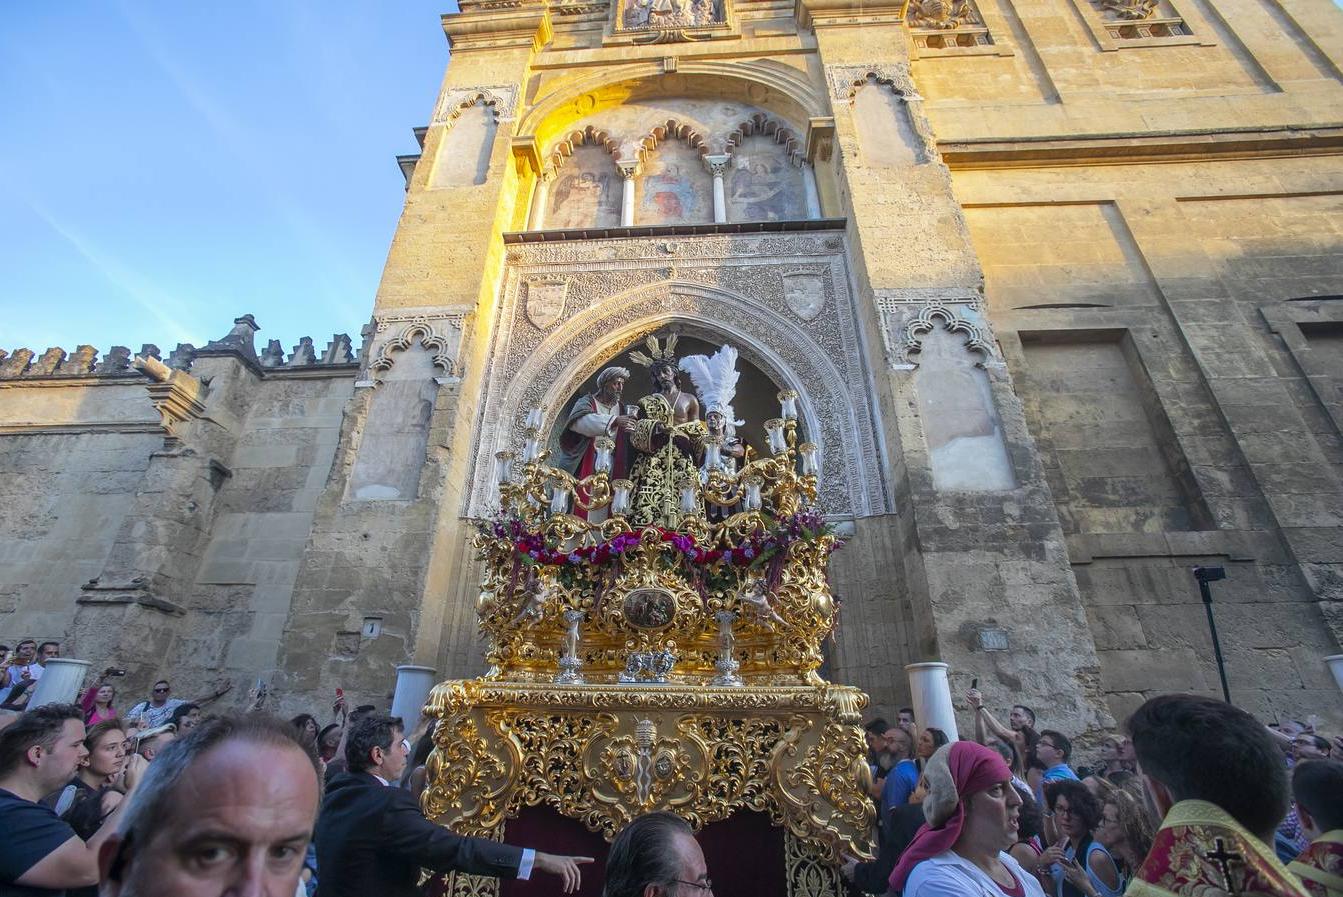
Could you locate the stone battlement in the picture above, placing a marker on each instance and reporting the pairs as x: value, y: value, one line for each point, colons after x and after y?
x: 85, y: 360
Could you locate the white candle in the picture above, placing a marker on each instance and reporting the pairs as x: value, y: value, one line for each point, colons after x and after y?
x: 810, y: 466
x: 534, y: 419
x: 788, y: 404
x: 689, y: 501
x: 620, y: 498
x: 774, y: 431
x: 604, y: 445
x: 711, y: 455
x: 531, y: 449
x: 752, y: 498
x: 503, y: 467
x: 559, y: 499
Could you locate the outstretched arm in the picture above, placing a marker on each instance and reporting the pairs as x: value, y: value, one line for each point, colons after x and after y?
x: 976, y: 700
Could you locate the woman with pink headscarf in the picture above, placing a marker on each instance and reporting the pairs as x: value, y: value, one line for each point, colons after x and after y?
x: 971, y: 808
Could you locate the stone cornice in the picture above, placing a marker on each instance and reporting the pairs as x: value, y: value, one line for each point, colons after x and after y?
x: 1130, y: 148
x: 845, y: 13
x: 498, y: 24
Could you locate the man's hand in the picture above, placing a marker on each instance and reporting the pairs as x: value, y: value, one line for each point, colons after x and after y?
x: 974, y: 698
x: 622, y: 423
x: 132, y: 772
x: 564, y: 867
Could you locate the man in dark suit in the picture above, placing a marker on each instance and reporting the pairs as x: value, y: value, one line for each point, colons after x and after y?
x: 372, y: 838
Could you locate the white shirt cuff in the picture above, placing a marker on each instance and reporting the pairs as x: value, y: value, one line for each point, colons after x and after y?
x: 525, y: 867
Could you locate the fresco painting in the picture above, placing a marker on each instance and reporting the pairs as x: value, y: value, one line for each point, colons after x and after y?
x: 586, y: 192
x: 762, y: 185
x: 674, y: 189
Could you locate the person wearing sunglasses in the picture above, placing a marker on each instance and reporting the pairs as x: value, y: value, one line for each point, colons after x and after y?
x: 159, y: 709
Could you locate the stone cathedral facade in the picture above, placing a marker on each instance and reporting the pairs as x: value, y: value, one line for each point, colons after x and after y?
x: 1059, y: 283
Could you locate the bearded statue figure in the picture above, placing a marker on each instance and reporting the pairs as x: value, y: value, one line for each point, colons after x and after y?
x: 667, y: 438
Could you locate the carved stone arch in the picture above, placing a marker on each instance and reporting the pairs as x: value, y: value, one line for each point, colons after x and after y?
x: 780, y: 89
x: 439, y: 345
x: 589, y: 136
x: 547, y: 376
x: 501, y: 101
x: 762, y: 125
x: 675, y: 130
x: 927, y: 319
x: 846, y: 80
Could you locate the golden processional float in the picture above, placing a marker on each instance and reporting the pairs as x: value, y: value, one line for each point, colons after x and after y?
x: 640, y: 668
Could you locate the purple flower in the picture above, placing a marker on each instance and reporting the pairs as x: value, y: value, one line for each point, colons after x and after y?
x: 574, y: 558
x: 748, y: 552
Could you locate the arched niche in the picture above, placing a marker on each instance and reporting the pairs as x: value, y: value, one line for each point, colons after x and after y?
x: 763, y: 183
x: 961, y: 427
x: 464, y: 152
x: 832, y: 411
x: 886, y: 134
x: 673, y: 187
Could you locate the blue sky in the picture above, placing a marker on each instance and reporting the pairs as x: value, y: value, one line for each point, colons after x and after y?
x: 166, y: 166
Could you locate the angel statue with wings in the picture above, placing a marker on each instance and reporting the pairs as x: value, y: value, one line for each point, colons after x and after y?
x: 667, y: 438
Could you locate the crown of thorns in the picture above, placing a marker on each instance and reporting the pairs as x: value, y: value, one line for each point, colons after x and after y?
x: 665, y: 352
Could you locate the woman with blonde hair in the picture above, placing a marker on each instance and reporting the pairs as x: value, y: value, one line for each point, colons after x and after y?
x: 1125, y: 828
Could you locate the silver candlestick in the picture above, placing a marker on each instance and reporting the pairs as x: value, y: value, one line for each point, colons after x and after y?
x: 727, y: 666
x: 569, y: 662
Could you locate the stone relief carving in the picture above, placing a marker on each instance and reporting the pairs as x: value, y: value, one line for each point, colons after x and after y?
x: 720, y: 287
x: 441, y: 335
x: 804, y: 291
x: 905, y: 323
x: 545, y: 301
x: 846, y: 80
x: 503, y: 97
x: 661, y: 21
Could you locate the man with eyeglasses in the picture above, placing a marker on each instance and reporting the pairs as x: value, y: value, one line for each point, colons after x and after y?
x: 372, y: 838
x: 158, y: 710
x: 656, y: 855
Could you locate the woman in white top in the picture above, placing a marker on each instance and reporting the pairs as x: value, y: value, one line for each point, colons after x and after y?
x: 971, y: 808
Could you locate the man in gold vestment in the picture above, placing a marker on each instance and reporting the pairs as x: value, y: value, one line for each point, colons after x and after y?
x: 1214, y: 774
x: 667, y: 439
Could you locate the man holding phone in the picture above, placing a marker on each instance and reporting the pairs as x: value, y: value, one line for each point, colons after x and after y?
x: 159, y: 709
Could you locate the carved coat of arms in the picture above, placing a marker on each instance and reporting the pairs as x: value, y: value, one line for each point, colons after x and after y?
x: 804, y: 294
x: 545, y: 301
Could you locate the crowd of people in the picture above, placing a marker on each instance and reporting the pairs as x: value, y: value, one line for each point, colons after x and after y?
x: 1195, y: 798
x: 1009, y: 812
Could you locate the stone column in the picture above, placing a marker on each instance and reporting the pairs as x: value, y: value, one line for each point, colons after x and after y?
x: 540, y: 199
x: 813, y: 196
x: 717, y: 166
x: 629, y: 170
